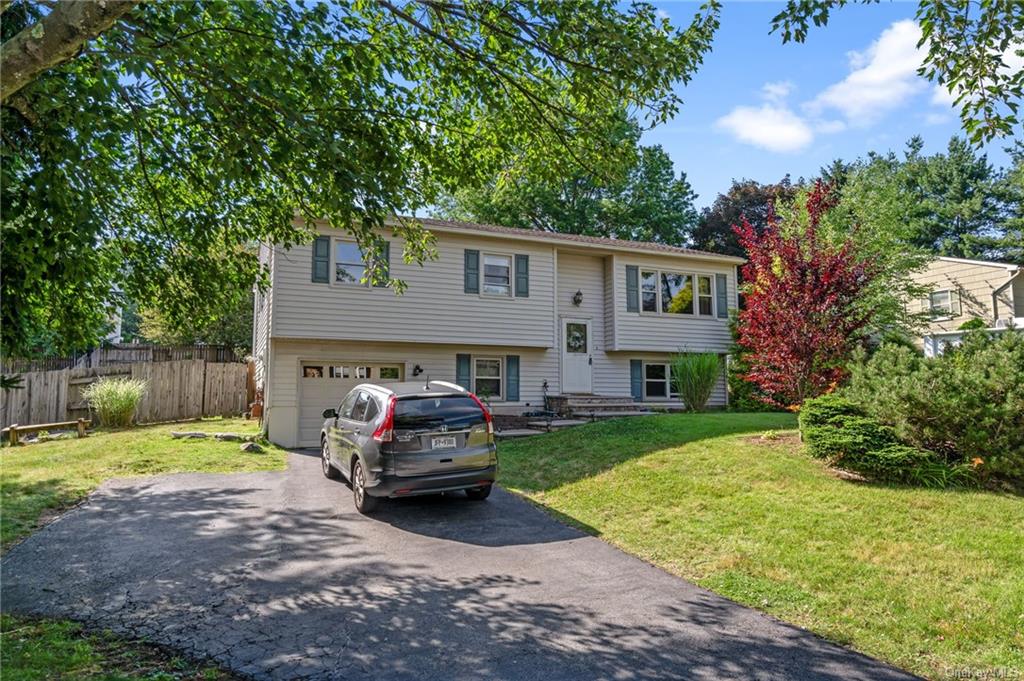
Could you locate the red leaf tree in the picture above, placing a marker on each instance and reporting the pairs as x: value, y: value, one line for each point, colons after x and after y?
x: 802, y: 319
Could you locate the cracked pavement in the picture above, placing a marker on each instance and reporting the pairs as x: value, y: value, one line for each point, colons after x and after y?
x: 275, y: 576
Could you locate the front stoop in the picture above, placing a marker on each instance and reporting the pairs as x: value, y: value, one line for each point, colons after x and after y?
x: 590, y: 407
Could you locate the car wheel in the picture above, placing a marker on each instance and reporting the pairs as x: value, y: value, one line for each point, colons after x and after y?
x: 363, y: 501
x: 325, y: 461
x: 479, y: 493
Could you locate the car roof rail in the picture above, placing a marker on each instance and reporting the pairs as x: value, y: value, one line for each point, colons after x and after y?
x: 445, y: 384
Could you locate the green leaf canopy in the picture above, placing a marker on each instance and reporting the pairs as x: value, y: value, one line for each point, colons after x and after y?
x: 144, y: 165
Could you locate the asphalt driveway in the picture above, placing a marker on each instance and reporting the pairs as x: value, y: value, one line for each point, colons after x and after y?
x: 277, y: 577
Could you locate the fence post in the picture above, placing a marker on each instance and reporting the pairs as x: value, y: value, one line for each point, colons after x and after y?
x: 12, y: 435
x: 81, y: 427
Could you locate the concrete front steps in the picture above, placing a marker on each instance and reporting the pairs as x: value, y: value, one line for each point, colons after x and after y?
x: 579, y: 406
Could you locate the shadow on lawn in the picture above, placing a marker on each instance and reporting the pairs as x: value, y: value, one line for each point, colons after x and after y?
x: 30, y: 505
x: 544, y: 462
x: 274, y: 579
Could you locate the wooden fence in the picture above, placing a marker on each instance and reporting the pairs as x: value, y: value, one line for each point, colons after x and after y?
x: 177, y: 390
x: 122, y: 353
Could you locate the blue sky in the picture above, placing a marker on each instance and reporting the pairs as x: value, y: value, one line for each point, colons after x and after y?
x: 760, y: 109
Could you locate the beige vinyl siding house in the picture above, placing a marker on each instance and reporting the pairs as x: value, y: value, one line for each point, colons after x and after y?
x: 514, y: 314
x: 962, y: 290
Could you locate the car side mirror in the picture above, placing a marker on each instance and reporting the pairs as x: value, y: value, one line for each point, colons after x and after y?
x: 330, y: 413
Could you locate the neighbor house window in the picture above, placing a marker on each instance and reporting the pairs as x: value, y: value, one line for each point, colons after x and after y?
x: 364, y: 372
x: 312, y: 372
x: 658, y: 381
x: 339, y: 372
x: 676, y: 293
x: 389, y: 373
x: 498, y: 275
x: 349, y: 265
x: 705, y: 298
x: 649, y: 291
x: 487, y: 377
x: 941, y: 303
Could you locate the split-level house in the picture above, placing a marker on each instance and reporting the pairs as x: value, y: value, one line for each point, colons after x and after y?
x: 963, y: 290
x: 514, y: 315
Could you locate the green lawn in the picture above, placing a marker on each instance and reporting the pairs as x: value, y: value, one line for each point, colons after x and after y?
x: 38, y: 480
x: 929, y: 580
x: 38, y: 650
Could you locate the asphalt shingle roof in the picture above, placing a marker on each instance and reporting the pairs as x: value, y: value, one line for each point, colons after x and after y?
x: 569, y: 238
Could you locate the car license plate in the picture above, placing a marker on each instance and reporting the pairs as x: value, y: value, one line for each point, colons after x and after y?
x: 446, y: 442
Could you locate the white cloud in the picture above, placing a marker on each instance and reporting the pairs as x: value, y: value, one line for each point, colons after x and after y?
x: 936, y: 118
x: 777, y: 91
x: 771, y: 126
x: 941, y: 96
x: 882, y: 78
x: 829, y: 127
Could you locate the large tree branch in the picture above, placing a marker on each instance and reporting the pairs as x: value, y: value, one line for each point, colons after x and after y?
x: 55, y: 39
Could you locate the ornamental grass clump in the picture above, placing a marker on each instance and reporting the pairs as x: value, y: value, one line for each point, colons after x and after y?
x: 694, y: 375
x: 114, y: 400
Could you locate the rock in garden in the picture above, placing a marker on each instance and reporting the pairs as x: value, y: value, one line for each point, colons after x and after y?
x: 232, y: 437
x: 177, y: 435
x: 251, y: 447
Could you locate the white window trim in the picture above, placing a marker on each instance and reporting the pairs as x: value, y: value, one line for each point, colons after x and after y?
x: 500, y: 397
x: 334, y: 264
x: 511, y: 274
x: 657, y: 290
x: 668, y: 379
x: 941, y: 315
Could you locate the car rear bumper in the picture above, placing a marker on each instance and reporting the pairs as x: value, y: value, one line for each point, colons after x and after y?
x: 394, y: 486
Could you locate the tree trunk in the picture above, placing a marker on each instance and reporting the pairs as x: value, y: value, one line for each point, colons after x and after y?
x: 55, y: 39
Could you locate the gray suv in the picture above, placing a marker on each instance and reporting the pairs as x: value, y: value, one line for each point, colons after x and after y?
x: 404, y: 439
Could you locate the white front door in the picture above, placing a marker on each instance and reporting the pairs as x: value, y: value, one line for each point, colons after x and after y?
x: 576, y: 356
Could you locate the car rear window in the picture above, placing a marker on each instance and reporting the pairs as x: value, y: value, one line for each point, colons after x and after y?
x: 454, y: 411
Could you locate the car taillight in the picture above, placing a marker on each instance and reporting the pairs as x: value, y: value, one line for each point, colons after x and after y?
x: 487, y: 415
x: 386, y: 430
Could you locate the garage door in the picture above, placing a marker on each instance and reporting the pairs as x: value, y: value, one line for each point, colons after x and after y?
x: 323, y: 385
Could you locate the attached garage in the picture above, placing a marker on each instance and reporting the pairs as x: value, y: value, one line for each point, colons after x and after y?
x: 322, y: 385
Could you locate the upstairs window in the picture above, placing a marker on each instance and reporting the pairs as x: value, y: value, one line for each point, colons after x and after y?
x: 705, y: 304
x: 940, y: 303
x: 349, y: 264
x: 649, y: 291
x: 498, y: 275
x: 676, y: 293
x: 663, y: 292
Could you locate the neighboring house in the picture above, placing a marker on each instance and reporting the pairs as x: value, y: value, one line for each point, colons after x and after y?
x: 508, y: 313
x: 963, y: 290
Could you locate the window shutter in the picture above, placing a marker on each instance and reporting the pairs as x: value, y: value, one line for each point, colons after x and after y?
x: 512, y: 382
x: 385, y: 256
x: 462, y: 371
x: 522, y: 276
x: 471, y: 279
x: 636, y: 379
x: 322, y: 259
x: 632, y: 289
x: 722, y: 295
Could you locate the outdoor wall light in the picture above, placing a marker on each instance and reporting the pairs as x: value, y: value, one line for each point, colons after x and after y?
x: 577, y: 298
x: 417, y: 370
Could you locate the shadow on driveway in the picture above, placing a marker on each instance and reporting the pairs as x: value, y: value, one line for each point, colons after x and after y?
x: 275, y: 576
